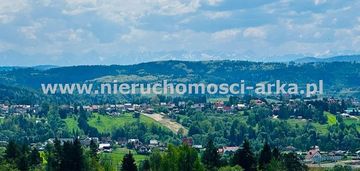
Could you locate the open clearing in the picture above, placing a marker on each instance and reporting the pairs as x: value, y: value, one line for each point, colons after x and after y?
x: 173, y: 126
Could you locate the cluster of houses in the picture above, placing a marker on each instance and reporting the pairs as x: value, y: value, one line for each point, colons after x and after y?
x: 18, y: 109
x: 315, y: 156
x: 106, y: 144
x: 172, y: 108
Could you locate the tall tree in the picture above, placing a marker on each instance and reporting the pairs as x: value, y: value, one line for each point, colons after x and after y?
x: 292, y: 163
x: 12, y: 151
x: 188, y: 158
x: 276, y: 153
x: 34, y: 157
x: 211, y: 157
x: 265, y: 156
x: 275, y: 165
x: 93, y: 149
x: 245, y: 158
x: 145, y: 165
x: 155, y: 160
x: 128, y: 163
x: 78, y: 156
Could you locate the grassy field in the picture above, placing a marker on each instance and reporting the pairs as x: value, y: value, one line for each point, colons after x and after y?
x: 323, y: 129
x: 106, y: 124
x: 350, y: 121
x: 331, y: 118
x: 215, y: 99
x: 72, y: 124
x: 1, y: 120
x: 117, y: 155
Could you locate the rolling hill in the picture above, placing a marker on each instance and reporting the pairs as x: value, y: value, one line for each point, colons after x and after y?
x: 337, y: 76
x: 350, y: 58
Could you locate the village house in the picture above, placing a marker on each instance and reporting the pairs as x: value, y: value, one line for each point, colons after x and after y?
x: 334, y: 156
x: 94, y: 108
x: 149, y: 110
x: 188, y: 141
x: 182, y: 104
x: 240, y: 106
x: 171, y: 106
x: 120, y: 107
x: 87, y: 141
x: 105, y: 147
x: 143, y: 150
x: 198, y: 147
x: 154, y: 143
x: 198, y: 106
x: 352, y: 111
x: 290, y: 149
x: 62, y: 140
x: 227, y: 150
x: 313, y: 155
x: 134, y: 143
x: 86, y: 108
x: 4, y: 109
x: 137, y: 107
x: 19, y: 109
x: 127, y: 105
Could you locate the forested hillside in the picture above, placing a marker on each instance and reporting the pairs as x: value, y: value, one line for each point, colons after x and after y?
x: 336, y: 75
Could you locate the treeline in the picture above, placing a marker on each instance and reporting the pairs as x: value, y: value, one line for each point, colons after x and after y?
x: 57, y: 156
x: 71, y: 156
x: 20, y: 157
x: 209, y: 71
x: 258, y: 125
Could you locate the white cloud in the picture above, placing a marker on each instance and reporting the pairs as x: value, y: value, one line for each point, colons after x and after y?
x: 111, y: 28
x: 9, y: 9
x: 218, y: 15
x: 134, y: 35
x: 131, y: 10
x: 255, y: 32
x: 214, y: 2
x: 319, y: 2
x: 4, y: 46
x: 30, y: 32
x: 226, y: 34
x: 70, y: 35
x: 176, y: 7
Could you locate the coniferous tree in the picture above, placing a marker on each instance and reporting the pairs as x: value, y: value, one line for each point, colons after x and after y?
x: 93, y: 149
x: 34, y: 157
x: 211, y: 157
x: 292, y: 163
x: 245, y: 158
x: 265, y: 156
x: 275, y: 165
x: 22, y: 163
x: 188, y: 158
x: 128, y: 163
x: 276, y: 154
x: 145, y: 165
x: 12, y: 151
x: 78, y: 156
x: 57, y: 152
x: 66, y: 159
x: 155, y: 160
x: 50, y: 158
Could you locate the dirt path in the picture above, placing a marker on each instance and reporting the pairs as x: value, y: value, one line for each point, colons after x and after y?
x: 173, y: 126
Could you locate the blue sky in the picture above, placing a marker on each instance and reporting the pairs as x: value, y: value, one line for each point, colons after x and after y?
x: 74, y: 32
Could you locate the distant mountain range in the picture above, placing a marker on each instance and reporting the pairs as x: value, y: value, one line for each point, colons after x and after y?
x: 350, y: 58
